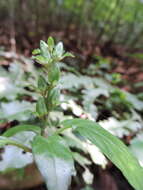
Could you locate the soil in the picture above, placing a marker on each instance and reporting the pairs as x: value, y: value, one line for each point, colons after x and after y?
x: 109, y: 179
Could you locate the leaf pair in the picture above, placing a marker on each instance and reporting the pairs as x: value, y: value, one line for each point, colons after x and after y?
x: 52, y: 157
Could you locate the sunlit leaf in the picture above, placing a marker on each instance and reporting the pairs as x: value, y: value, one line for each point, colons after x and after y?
x: 51, y: 43
x: 41, y: 60
x: 112, y: 147
x: 44, y: 50
x: 12, y: 131
x: 59, y: 49
x: 36, y: 51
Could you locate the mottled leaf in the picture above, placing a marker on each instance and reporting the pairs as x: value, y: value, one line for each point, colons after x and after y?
x: 54, y: 161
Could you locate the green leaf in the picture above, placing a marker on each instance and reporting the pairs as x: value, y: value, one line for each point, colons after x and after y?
x: 112, y: 147
x: 136, y: 147
x: 54, y: 161
x: 36, y: 51
x: 12, y: 131
x: 68, y: 54
x: 6, y: 141
x: 41, y: 60
x: 44, y: 49
x: 54, y: 74
x: 59, y: 49
x: 41, y: 107
x: 51, y: 43
x: 53, y: 97
x: 42, y: 84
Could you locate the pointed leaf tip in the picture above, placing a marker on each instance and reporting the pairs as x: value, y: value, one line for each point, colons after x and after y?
x: 112, y: 147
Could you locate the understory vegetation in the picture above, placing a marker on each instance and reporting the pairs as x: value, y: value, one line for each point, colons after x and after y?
x: 91, y: 95
x: 71, y: 110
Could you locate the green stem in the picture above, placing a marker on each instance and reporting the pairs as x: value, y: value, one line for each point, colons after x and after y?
x: 44, y: 119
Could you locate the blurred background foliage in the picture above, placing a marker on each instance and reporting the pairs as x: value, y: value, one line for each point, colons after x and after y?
x: 116, y: 21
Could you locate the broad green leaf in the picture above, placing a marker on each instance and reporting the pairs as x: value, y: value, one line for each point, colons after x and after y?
x: 42, y: 84
x: 54, y: 74
x: 43, y: 45
x: 112, y: 147
x: 44, y: 49
x: 36, y: 51
x: 51, y: 43
x: 54, y: 161
x: 6, y: 141
x: 41, y: 60
x: 41, y: 107
x: 12, y: 131
x: 59, y: 49
x: 54, y: 96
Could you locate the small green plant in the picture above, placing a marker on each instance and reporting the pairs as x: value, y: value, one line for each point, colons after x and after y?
x: 52, y: 156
